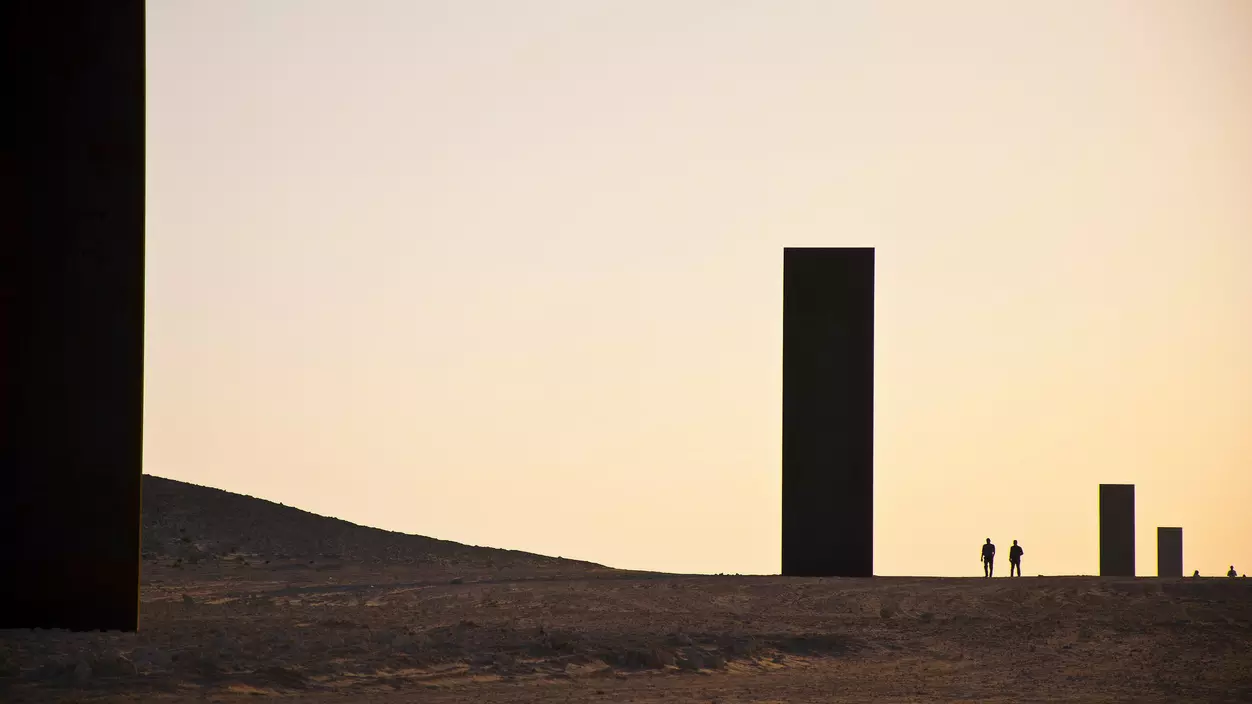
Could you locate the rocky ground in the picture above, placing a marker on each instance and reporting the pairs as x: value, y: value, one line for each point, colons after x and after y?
x: 518, y: 628
x: 226, y: 632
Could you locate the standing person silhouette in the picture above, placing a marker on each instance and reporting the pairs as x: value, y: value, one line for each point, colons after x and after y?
x: 1015, y: 559
x: 988, y: 558
x: 1232, y: 572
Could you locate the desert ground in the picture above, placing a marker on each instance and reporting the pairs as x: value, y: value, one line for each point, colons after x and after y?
x: 393, y: 618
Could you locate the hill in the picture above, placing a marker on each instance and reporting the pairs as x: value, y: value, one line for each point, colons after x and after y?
x: 191, y: 523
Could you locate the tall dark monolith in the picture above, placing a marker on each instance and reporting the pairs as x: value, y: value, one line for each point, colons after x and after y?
x: 828, y: 412
x: 72, y: 315
x: 1117, y: 530
x: 1169, y: 552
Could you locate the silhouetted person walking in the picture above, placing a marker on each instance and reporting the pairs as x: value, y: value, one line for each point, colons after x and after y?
x: 988, y: 558
x: 1232, y: 572
x: 1015, y: 558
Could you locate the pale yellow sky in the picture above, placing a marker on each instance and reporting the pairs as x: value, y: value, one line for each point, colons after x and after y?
x: 510, y: 273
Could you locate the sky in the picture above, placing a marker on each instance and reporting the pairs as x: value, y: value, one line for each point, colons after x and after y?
x: 510, y: 274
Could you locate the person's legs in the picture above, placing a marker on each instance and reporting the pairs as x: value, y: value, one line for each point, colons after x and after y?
x: 985, y: 567
x: 991, y: 568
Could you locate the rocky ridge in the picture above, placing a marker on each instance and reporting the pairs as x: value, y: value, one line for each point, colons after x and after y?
x: 189, y: 523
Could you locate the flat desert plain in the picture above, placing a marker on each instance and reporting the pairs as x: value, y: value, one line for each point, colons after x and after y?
x: 510, y: 627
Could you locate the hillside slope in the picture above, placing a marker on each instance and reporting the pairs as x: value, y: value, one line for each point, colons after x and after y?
x: 191, y: 522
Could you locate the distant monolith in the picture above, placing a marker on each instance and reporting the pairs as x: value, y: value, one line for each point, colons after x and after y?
x: 1117, y: 530
x: 1169, y: 552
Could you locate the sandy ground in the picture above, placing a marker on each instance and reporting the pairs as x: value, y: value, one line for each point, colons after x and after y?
x: 228, y: 632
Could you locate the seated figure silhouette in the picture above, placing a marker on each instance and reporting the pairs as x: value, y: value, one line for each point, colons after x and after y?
x: 1197, y: 573
x: 1015, y: 559
x: 988, y: 558
x: 1232, y: 572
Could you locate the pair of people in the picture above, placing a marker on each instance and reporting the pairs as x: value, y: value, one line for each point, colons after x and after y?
x: 989, y: 556
x: 1231, y: 573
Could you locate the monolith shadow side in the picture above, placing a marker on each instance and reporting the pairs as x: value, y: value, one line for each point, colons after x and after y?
x: 72, y: 316
x: 828, y: 412
x: 1169, y: 552
x: 1117, y: 530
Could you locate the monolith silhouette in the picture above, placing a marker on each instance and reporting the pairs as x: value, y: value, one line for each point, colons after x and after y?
x: 71, y: 317
x: 1168, y: 552
x: 828, y: 412
x: 1117, y: 530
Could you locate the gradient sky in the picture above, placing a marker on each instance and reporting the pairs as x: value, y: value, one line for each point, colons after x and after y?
x: 510, y: 273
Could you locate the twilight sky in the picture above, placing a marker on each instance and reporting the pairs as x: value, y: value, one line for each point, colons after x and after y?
x: 510, y: 273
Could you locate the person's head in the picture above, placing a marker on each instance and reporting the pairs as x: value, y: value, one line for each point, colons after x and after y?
x: 988, y: 541
x: 1015, y: 542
